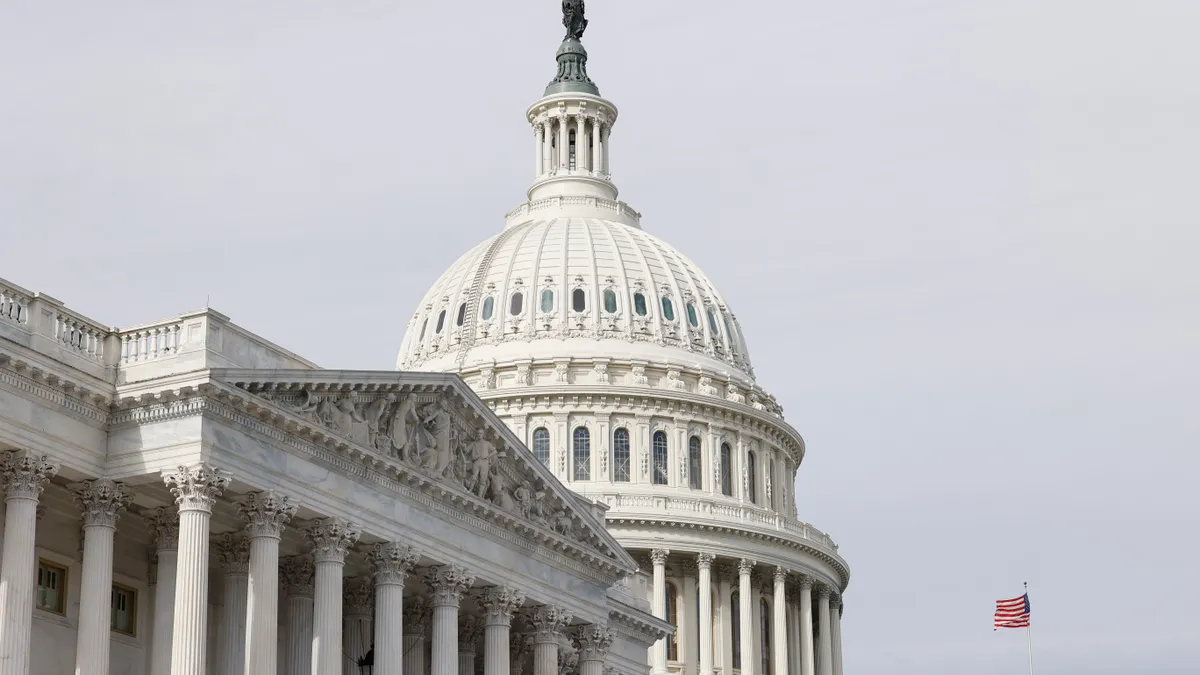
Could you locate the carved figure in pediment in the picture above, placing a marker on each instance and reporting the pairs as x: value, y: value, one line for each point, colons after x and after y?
x: 562, y: 523
x: 402, y: 428
x: 500, y: 494
x: 479, y: 455
x: 374, y: 413
x: 435, y: 422
x: 348, y: 419
x: 530, y: 502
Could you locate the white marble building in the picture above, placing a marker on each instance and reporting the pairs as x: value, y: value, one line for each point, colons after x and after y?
x: 605, y: 489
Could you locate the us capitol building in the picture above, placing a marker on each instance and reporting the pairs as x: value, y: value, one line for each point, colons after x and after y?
x: 572, y: 470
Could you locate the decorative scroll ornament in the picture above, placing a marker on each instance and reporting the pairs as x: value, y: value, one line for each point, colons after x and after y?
x: 266, y: 513
x: 233, y: 553
x: 593, y: 642
x: 196, y: 488
x: 500, y: 603
x: 102, y: 502
x: 448, y: 584
x: 359, y: 597
x: 25, y: 475
x: 392, y: 562
x: 548, y: 622
x: 163, y: 524
x: 331, y: 538
x: 296, y: 574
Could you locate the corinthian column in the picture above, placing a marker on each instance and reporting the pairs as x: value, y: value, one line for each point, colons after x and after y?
x: 548, y: 624
x: 265, y: 513
x: 468, y: 636
x: 746, y: 603
x: 391, y: 564
x: 330, y: 538
x: 447, y: 583
x: 24, y: 476
x: 360, y: 605
x: 704, y: 563
x: 779, y: 633
x: 233, y: 555
x: 807, y: 657
x: 163, y: 524
x: 499, y: 604
x: 196, y: 489
x: 659, y: 558
x: 416, y: 615
x: 826, y: 658
x: 102, y: 502
x: 297, y: 574
x: 593, y: 643
x: 836, y: 632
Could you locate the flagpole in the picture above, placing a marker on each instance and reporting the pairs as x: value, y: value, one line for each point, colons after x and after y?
x: 1029, y: 632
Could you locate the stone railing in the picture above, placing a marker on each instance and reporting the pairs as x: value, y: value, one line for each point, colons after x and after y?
x: 568, y: 205
x: 42, y: 323
x: 14, y: 304
x: 147, y: 343
x: 720, y: 511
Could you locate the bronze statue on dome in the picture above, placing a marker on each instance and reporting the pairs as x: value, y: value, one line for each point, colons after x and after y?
x: 574, y: 19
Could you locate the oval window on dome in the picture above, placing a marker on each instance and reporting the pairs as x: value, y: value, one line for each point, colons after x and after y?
x: 462, y: 314
x: 441, y: 322
x: 488, y: 306
x: 692, y: 318
x: 639, y: 304
x: 712, y: 323
x: 516, y: 304
x: 668, y: 309
x: 610, y: 302
x: 578, y: 300
x: 547, y: 300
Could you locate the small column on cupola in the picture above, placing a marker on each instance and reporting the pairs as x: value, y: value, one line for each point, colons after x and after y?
x: 571, y: 123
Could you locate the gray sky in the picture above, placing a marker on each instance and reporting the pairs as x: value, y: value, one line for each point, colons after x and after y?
x: 960, y: 235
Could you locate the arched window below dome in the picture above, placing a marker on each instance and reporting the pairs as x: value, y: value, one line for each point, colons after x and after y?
x: 695, y: 464
x: 489, y: 305
x: 751, y: 478
x: 582, y: 450
x: 735, y: 624
x: 578, y: 300
x: 659, y: 447
x: 441, y: 322
x: 424, y: 325
x: 639, y: 304
x: 726, y: 470
x: 668, y: 309
x: 621, y: 455
x: 712, y: 324
x: 610, y: 302
x: 541, y: 445
x: 462, y: 314
x: 516, y: 304
x: 692, y: 317
x: 547, y: 300
x: 764, y: 620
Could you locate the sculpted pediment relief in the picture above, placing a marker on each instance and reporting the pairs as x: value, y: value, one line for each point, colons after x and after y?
x: 435, y: 433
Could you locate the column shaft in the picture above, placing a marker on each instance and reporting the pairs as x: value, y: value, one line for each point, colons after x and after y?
x: 659, y: 608
x: 414, y: 654
x: 580, y: 143
x: 545, y: 658
x: 547, y: 150
x: 190, y: 626
x: 164, y: 613
x: 595, y: 153
x: 496, y: 658
x: 780, y: 632
x: 746, y: 619
x: 563, y: 142
x: 466, y: 663
x: 231, y: 632
x: 836, y: 625
x: 389, y: 619
x: 826, y: 647
x: 538, y: 139
x: 807, y: 655
x: 706, y: 614
x: 24, y: 476
x: 327, y: 621
x: 262, y: 607
x: 357, y: 639
x: 95, y: 601
x: 299, y: 638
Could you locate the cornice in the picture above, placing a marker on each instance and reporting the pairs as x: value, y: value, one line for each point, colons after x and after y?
x: 70, y: 395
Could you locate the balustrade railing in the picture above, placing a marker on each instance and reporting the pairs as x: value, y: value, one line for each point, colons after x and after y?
x: 147, y: 343
x: 78, y: 334
x: 14, y: 305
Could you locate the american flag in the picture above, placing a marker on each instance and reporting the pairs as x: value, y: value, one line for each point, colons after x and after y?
x: 1012, y: 613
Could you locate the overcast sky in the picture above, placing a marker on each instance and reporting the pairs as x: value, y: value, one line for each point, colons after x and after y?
x: 961, y: 236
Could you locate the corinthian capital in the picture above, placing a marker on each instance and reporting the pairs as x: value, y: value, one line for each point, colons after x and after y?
x: 163, y: 524
x: 593, y: 642
x: 416, y: 615
x: 448, y: 584
x: 266, y: 513
x: 102, y: 501
x: 391, y: 563
x: 296, y: 574
x: 746, y: 566
x: 659, y: 556
x: 25, y: 475
x: 704, y: 561
x: 780, y: 575
x: 233, y: 553
x: 196, y: 488
x: 331, y: 538
x: 548, y: 622
x: 360, y: 597
x: 500, y: 603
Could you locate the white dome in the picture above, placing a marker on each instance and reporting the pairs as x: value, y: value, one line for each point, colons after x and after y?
x: 575, y: 287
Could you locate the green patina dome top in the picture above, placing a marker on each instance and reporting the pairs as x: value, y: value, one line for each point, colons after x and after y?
x: 572, y: 70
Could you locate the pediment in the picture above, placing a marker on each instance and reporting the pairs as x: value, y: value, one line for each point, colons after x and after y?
x: 432, y: 429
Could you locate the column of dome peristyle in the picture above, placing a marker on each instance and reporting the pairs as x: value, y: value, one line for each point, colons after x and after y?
x: 584, y: 172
